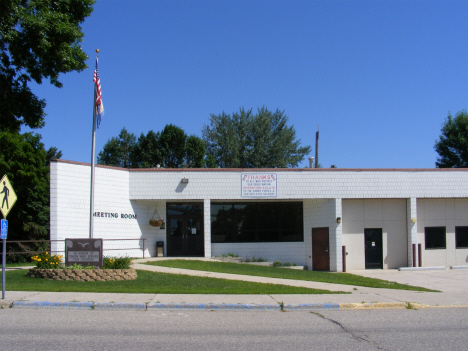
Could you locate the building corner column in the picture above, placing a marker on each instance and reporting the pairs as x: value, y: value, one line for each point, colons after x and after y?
x: 207, y: 226
x: 411, y: 213
x: 53, y: 214
x: 336, y: 240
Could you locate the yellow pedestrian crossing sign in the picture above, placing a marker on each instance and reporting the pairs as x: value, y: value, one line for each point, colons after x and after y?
x: 7, y: 196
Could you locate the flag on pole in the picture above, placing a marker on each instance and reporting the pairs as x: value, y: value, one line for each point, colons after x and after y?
x: 98, y: 107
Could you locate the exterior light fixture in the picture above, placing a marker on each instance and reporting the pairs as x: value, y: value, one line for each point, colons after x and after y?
x: 414, y: 220
x: 338, y: 219
x: 163, y: 225
x: 184, y: 180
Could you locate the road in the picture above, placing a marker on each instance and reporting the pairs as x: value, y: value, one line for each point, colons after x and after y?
x: 384, y: 329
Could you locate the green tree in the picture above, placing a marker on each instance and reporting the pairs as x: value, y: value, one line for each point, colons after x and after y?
x: 52, y: 154
x: 117, y: 151
x: 26, y: 163
x: 210, y: 162
x: 172, y: 145
x: 247, y: 140
x: 179, y: 150
x: 452, y: 145
x: 146, y: 153
x: 170, y: 148
x: 38, y: 39
x: 195, y: 152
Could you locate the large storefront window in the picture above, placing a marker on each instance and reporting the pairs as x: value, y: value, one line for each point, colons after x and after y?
x: 256, y: 222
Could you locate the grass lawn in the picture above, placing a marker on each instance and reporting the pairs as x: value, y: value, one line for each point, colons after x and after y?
x: 153, y: 283
x: 22, y: 264
x: 285, y: 273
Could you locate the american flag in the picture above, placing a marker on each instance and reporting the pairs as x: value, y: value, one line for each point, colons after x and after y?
x: 98, y: 107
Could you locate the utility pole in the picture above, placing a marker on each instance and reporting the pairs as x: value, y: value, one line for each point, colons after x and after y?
x: 317, y: 148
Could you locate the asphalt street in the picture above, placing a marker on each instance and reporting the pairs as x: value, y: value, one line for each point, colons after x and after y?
x: 378, y: 329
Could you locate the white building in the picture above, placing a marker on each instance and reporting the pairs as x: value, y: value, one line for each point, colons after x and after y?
x: 302, y: 216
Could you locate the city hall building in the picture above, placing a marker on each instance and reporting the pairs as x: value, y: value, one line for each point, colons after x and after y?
x: 320, y: 218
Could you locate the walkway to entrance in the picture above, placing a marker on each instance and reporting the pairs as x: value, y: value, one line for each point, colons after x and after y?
x: 448, y: 280
x: 452, y: 283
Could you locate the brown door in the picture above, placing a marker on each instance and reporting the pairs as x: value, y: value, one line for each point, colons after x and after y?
x: 320, y: 249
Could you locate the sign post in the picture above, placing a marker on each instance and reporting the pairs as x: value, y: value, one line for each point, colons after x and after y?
x: 4, y: 232
x: 8, y: 200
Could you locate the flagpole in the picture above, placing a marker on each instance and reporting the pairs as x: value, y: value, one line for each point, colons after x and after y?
x: 93, y: 147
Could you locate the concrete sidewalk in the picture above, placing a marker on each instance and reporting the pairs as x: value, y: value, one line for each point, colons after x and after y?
x: 453, y: 285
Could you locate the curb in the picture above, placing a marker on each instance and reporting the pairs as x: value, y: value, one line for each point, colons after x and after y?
x: 5, y: 304
x: 436, y: 268
x: 118, y: 306
x: 312, y: 306
x: 377, y: 305
x: 45, y: 304
x: 210, y: 306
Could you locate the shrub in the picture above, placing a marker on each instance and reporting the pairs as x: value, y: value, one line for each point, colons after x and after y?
x: 75, y: 266
x: 229, y: 255
x: 277, y: 264
x: 47, y: 261
x: 116, y: 262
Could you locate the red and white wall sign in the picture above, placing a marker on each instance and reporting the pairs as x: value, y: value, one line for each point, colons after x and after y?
x: 259, y: 184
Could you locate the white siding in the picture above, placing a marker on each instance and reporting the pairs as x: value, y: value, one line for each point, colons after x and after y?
x: 390, y: 216
x: 386, y: 199
x: 300, y: 184
x: 447, y: 213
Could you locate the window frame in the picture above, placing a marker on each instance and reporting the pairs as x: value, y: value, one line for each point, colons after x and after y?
x: 427, y: 233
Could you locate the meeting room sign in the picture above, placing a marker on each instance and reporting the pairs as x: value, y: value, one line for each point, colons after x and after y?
x: 259, y: 184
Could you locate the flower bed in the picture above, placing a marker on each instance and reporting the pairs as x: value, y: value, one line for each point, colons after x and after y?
x: 83, y: 275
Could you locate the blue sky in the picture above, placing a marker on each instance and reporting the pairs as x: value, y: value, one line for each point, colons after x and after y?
x: 379, y: 77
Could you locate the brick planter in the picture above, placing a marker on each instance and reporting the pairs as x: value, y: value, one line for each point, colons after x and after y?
x: 83, y: 275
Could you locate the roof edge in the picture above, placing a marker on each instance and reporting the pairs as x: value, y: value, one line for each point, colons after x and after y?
x: 268, y: 169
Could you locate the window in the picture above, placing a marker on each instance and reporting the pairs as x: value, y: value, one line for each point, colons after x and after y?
x: 434, y: 237
x: 256, y: 222
x: 184, y: 209
x: 461, y: 237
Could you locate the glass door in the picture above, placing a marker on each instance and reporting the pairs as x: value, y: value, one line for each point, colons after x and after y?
x: 185, y: 234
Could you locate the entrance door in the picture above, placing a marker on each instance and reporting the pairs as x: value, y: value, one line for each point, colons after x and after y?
x: 185, y: 232
x: 373, y: 248
x: 320, y: 249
